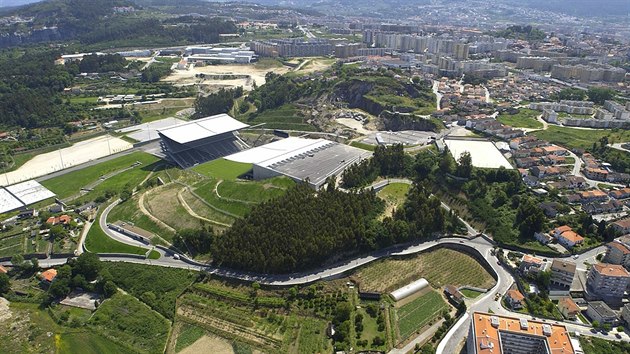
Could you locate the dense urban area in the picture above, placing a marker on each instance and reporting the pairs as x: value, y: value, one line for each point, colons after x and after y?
x: 431, y: 176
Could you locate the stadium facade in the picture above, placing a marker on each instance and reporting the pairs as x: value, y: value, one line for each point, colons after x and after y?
x: 202, y: 140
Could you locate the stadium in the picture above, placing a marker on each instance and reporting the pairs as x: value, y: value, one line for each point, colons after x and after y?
x: 309, y: 160
x: 21, y: 195
x: 202, y: 140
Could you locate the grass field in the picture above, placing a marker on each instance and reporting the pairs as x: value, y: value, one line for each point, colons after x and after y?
x: 419, y: 312
x: 130, y: 321
x: 98, y: 242
x: 364, y: 146
x: 394, y: 195
x: 129, y: 211
x: 163, y: 204
x: 581, y: 138
x: 88, y: 342
x: 440, y: 267
x: 205, y: 211
x: 222, y: 169
x: 284, y: 117
x: 187, y: 336
x: 525, y: 118
x: 312, y: 338
x: 471, y: 294
x: 72, y: 182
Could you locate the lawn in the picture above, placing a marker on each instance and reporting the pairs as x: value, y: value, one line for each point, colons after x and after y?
x: 129, y: 211
x: 312, y: 338
x: 592, y: 345
x: 98, y: 242
x: 419, y: 312
x: 72, y: 182
x: 364, y: 146
x: 440, y: 267
x: 254, y: 192
x: 525, y: 118
x: 188, y: 335
x: 581, y: 138
x: 284, y: 117
x: 471, y: 294
x: 228, y: 207
x: 394, y: 195
x: 129, y: 321
x: 223, y: 169
x: 88, y: 342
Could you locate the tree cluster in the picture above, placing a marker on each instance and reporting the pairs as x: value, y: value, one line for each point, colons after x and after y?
x: 298, y: 230
x: 388, y: 161
x: 194, y: 241
x: 219, y: 102
x: 80, y: 273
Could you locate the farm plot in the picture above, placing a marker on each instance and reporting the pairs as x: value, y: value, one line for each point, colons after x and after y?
x: 440, y: 267
x: 419, y: 312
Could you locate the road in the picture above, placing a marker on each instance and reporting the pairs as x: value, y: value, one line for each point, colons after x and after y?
x: 438, y: 95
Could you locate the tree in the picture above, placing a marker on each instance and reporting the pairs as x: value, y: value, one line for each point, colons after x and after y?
x: 109, y: 289
x: 573, y: 94
x: 17, y: 260
x: 88, y: 265
x: 600, y: 94
x: 529, y: 218
x: 5, y: 283
x: 595, y: 324
x: 215, y: 103
x: 464, y: 165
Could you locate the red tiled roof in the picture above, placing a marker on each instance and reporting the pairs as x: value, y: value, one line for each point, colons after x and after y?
x: 623, y: 249
x: 3, y: 270
x: 515, y: 295
x: 49, y: 275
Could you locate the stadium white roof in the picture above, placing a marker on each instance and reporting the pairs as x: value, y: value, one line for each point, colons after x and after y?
x: 8, y: 202
x: 30, y: 192
x: 483, y: 153
x: 267, y: 155
x: 202, y: 128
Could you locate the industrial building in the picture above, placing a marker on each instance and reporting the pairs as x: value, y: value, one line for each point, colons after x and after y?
x: 293, y: 47
x: 310, y: 160
x: 502, y: 334
x: 21, y: 195
x: 220, y: 55
x: 202, y: 140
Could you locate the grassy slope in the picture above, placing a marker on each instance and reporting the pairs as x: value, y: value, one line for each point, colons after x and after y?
x: 222, y: 169
x: 97, y: 241
x: 72, y: 182
x: 580, y: 138
x: 525, y: 118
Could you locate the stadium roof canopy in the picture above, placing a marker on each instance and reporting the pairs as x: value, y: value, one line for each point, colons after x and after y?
x: 267, y: 155
x: 202, y: 128
x: 22, y: 194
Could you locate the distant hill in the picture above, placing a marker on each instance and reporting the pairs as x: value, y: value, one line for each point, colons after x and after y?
x: 14, y: 3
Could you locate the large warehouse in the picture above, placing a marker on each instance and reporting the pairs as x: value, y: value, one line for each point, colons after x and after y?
x: 202, y: 140
x: 21, y: 195
x: 301, y: 159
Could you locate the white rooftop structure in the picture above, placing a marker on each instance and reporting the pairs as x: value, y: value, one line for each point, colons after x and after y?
x: 267, y: 155
x: 8, y: 202
x: 484, y: 154
x: 149, y: 131
x: 30, y: 192
x: 409, y: 289
x: 202, y: 128
x: 22, y: 194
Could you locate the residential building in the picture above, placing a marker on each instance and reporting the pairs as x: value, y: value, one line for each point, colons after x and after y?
x: 454, y: 294
x: 570, y: 239
x: 502, y: 334
x: 562, y: 273
x: 63, y: 219
x: 617, y: 253
x: 593, y: 196
x: 622, y: 226
x: 602, y: 313
x: 542, y: 237
x: 531, y: 264
x: 622, y: 193
x: 607, y: 282
x: 568, y: 308
x: 3, y: 270
x: 625, y: 315
x: 515, y: 299
x: 48, y: 276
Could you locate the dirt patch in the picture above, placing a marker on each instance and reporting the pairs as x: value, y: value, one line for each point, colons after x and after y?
x: 254, y: 74
x: 210, y: 345
x: 5, y: 311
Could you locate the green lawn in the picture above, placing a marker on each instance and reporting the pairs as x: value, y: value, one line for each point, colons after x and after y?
x: 81, y: 100
x: 471, y: 294
x: 129, y: 211
x: 255, y: 191
x: 592, y: 345
x: 98, y: 242
x: 312, y: 338
x: 416, y: 314
x: 581, y: 138
x: 72, y: 182
x: 284, y: 117
x: 364, y: 146
x: 88, y: 342
x: 188, y: 335
x: 525, y: 118
x: 223, y: 169
x: 129, y: 321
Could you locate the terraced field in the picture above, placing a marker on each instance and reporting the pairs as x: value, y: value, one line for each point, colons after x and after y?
x: 419, y: 312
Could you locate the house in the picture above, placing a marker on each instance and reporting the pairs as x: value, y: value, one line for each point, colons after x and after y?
x: 57, y: 208
x: 545, y: 171
x: 570, y: 239
x: 531, y: 181
x: 554, y: 150
x: 568, y: 308
x: 559, y: 230
x: 576, y: 182
x: 48, y: 276
x: 3, y: 270
x: 526, y: 162
x: 515, y: 299
x: 593, y: 196
x: 618, y: 177
x: 454, y: 294
x: 550, y: 208
x: 531, y: 264
x: 602, y: 313
x: 596, y: 173
x: 27, y: 214
x: 611, y: 206
x: 573, y: 198
x: 562, y: 273
x: 622, y: 226
x: 63, y: 219
x: 559, y: 184
x: 542, y: 237
x: 620, y: 193
x: 553, y: 160
x: 617, y: 253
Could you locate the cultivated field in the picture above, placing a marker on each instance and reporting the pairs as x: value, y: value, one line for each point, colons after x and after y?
x: 419, y: 312
x: 76, y: 154
x: 440, y: 267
